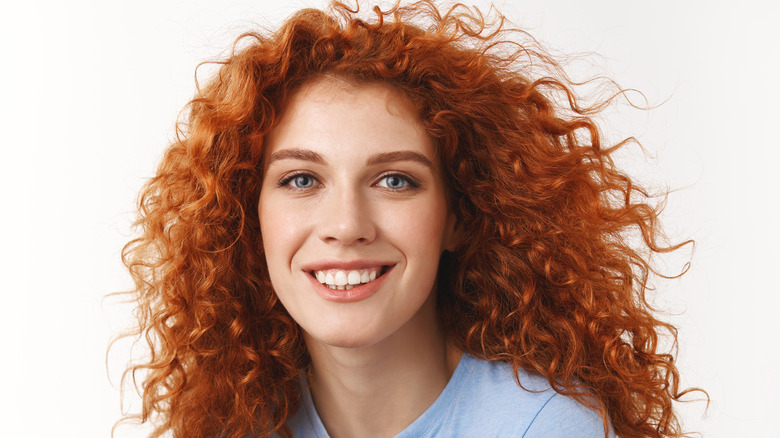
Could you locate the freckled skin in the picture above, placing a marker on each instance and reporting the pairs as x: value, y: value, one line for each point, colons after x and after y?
x: 344, y: 208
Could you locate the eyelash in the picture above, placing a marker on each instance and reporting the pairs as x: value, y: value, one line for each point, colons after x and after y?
x: 285, y: 182
x: 411, y: 182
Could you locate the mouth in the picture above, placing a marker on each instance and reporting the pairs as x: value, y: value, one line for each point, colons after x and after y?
x: 346, y: 279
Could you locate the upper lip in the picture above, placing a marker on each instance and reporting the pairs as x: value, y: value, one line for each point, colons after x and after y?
x: 345, y: 265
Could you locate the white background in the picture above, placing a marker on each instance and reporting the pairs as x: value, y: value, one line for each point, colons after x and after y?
x: 91, y: 89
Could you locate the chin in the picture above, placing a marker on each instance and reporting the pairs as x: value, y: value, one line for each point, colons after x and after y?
x: 345, y: 336
x: 347, y: 342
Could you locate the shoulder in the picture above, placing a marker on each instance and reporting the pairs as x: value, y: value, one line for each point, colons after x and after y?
x: 493, y: 403
x: 562, y: 416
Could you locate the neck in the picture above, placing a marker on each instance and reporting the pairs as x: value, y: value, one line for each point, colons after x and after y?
x: 381, y: 389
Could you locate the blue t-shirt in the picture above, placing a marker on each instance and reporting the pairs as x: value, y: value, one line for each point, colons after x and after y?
x: 482, y: 399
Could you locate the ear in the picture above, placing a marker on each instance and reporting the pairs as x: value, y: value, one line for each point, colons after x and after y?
x: 453, y: 233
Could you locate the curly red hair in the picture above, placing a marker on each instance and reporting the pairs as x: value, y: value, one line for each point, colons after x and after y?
x: 546, y: 277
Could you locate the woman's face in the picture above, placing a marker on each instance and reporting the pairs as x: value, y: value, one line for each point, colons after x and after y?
x: 352, y: 212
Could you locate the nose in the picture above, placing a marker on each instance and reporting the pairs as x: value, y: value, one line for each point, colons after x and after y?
x: 345, y: 218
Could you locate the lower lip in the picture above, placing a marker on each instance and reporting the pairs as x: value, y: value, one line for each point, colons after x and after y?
x: 357, y: 293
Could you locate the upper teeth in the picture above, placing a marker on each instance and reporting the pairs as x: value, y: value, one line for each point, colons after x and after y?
x: 336, y: 278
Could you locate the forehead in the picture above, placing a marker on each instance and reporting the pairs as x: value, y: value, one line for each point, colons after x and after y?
x: 333, y: 91
x: 335, y: 115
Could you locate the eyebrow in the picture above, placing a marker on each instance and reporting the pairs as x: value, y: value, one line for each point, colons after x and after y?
x: 390, y: 157
x: 296, y: 154
x: 384, y: 157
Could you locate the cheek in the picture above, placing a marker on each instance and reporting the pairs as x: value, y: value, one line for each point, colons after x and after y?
x: 278, y: 236
x: 420, y: 229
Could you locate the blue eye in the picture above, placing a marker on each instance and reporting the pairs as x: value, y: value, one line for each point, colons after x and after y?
x: 300, y: 181
x: 303, y: 181
x: 397, y: 182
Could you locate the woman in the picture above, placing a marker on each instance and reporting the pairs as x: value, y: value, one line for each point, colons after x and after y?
x: 394, y: 228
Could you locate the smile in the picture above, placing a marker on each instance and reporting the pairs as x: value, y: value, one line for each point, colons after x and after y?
x: 339, y: 279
